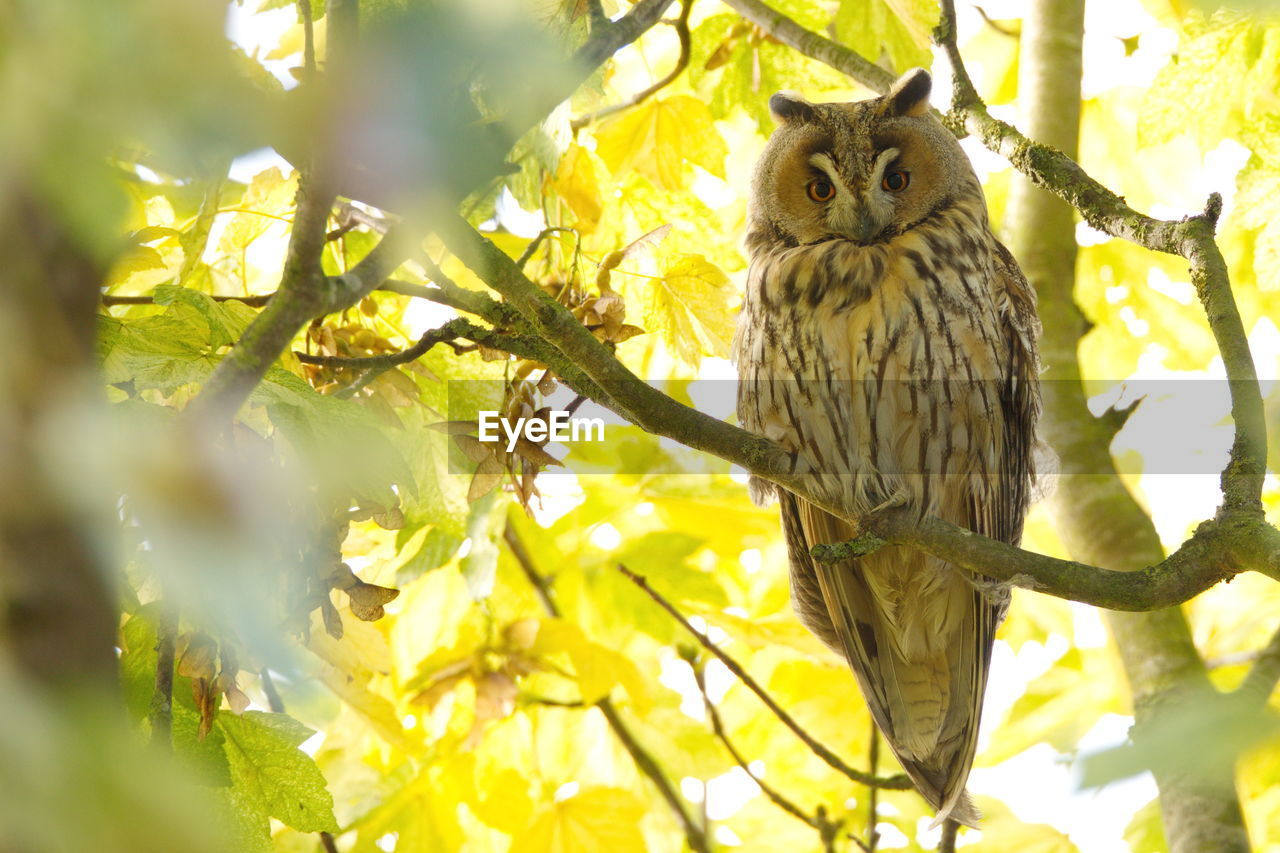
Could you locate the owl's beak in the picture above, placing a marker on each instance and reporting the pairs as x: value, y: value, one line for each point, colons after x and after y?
x: 865, y: 226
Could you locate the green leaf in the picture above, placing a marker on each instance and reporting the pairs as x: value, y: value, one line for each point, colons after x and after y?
x: 351, y: 450
x: 137, y: 259
x: 1016, y: 834
x: 1227, y: 68
x: 893, y: 30
x: 1258, y: 200
x: 537, y: 153
x: 138, y: 677
x: 271, y: 193
x: 244, y: 825
x: 755, y: 70
x: 488, y: 518
x: 226, y: 320
x: 598, y: 669
x: 1058, y: 707
x: 437, y: 548
x: 138, y: 661
x: 272, y: 773
x: 164, y: 351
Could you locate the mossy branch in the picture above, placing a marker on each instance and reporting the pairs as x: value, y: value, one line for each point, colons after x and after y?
x: 1220, y: 549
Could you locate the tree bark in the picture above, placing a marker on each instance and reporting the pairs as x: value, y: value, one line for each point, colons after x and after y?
x: 1097, y: 518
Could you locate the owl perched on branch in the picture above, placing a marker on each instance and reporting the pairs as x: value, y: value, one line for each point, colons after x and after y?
x: 888, y: 341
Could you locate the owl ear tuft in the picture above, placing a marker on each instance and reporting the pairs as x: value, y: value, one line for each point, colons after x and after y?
x: 909, y: 95
x: 788, y: 107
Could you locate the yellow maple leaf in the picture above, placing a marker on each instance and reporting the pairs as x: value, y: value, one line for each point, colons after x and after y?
x: 658, y: 137
x: 690, y: 306
x: 576, y: 183
x: 596, y: 819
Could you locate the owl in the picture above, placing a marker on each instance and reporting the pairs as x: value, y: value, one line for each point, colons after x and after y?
x: 888, y: 342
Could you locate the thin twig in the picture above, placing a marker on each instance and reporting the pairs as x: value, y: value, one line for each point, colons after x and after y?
x: 682, y: 62
x: 274, y: 700
x: 717, y: 727
x: 308, y: 38
x: 444, y: 292
x: 445, y: 334
x: 1260, y: 682
x: 537, y: 241
x: 255, y: 301
x: 694, y: 834
x: 893, y: 783
x: 555, y: 703
x: 873, y: 796
x: 1000, y: 27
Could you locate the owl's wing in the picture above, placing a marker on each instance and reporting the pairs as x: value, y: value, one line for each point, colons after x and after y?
x: 1020, y: 392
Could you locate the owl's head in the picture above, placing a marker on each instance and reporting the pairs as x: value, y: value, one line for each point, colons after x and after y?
x: 864, y: 171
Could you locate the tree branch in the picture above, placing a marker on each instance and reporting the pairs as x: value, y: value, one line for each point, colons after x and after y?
x: 161, y: 713
x: 1097, y: 518
x: 1221, y: 547
x: 682, y: 62
x: 814, y: 46
x: 615, y: 35
x: 1192, y: 238
x: 948, y: 842
x: 893, y: 783
x: 1217, y: 550
x: 621, y: 390
x: 304, y: 292
x: 644, y: 761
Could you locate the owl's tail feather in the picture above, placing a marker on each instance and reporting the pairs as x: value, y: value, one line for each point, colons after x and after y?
x: 920, y: 656
x: 943, y: 789
x: 927, y: 712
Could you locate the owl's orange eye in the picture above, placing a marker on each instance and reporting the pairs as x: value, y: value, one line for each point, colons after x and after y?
x: 821, y: 190
x: 896, y: 182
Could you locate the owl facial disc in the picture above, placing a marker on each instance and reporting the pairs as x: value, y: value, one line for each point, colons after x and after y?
x: 860, y: 214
